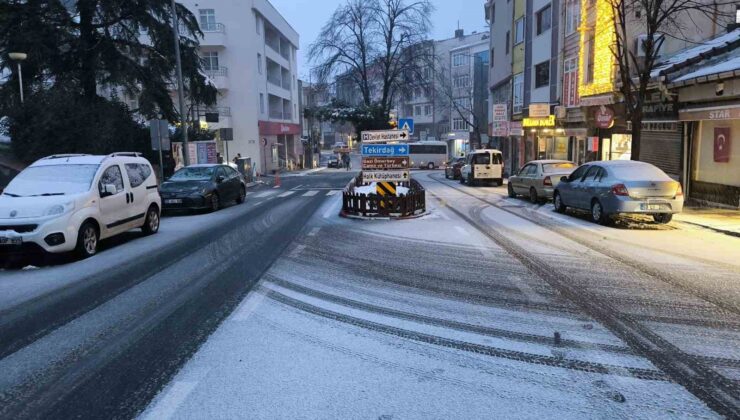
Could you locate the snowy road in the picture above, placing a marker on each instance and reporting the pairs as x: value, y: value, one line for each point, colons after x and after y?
x: 455, y: 315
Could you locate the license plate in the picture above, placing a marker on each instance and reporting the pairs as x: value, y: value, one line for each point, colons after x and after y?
x: 4, y: 240
x: 173, y: 201
x: 647, y: 206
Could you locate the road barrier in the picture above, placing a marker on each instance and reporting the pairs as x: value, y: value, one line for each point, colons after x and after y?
x: 372, y: 205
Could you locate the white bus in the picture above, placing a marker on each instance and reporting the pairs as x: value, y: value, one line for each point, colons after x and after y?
x: 428, y: 154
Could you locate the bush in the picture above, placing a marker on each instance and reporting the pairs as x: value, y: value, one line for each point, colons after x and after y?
x: 56, y: 121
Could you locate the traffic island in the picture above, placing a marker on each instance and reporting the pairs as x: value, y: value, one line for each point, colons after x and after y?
x: 390, y: 200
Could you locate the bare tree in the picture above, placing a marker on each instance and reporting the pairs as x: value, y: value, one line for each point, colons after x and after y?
x: 373, y: 44
x: 654, y: 21
x: 460, y: 99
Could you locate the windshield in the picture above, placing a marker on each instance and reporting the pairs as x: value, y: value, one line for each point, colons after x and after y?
x: 639, y: 173
x: 549, y: 168
x: 194, y: 174
x: 52, y: 180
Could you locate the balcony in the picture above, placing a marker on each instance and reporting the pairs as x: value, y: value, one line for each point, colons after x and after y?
x: 214, y: 35
x: 219, y: 77
x: 279, y: 115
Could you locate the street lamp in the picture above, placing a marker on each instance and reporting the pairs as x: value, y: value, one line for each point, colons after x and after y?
x: 19, y: 57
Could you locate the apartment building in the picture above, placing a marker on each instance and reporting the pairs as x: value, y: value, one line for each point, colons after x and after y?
x: 249, y: 54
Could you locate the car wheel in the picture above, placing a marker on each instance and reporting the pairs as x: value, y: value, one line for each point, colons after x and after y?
x: 430, y: 165
x: 510, y: 190
x: 558, y: 203
x: 242, y: 195
x: 663, y: 218
x: 533, y: 197
x: 597, y: 213
x: 215, y: 202
x: 471, y: 182
x: 151, y: 224
x: 87, y: 240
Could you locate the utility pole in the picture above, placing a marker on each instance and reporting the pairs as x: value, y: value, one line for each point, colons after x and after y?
x: 180, y: 85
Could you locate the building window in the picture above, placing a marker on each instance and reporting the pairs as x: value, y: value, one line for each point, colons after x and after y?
x: 519, y: 31
x: 570, y: 82
x: 493, y: 13
x: 542, y: 74
x: 427, y: 110
x: 262, y: 103
x: 459, y: 124
x: 544, y: 19
x: 210, y: 60
x: 572, y: 16
x: 417, y: 110
x: 518, y: 93
x: 508, y: 42
x: 207, y: 19
x: 259, y: 63
x: 459, y: 59
x: 590, y: 57
x: 461, y: 81
x: 257, y: 23
x: 492, y: 57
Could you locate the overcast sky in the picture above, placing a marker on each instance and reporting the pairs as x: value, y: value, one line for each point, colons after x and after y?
x: 308, y: 16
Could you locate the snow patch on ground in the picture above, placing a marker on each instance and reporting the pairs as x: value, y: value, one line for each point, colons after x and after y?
x: 371, y: 189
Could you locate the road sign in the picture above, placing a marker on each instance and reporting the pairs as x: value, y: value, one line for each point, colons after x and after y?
x: 385, y: 176
x: 384, y: 136
x: 385, y: 150
x: 374, y: 162
x: 226, y: 134
x: 159, y: 130
x: 406, y: 124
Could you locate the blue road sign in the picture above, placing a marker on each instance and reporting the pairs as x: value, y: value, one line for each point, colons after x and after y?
x: 406, y: 124
x: 385, y: 150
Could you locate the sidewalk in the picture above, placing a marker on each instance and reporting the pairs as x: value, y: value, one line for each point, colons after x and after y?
x: 721, y: 220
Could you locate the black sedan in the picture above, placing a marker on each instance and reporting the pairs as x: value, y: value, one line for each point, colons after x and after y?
x: 334, y: 162
x: 203, y: 187
x: 452, y: 168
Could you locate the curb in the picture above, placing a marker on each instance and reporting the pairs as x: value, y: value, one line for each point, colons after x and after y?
x: 346, y: 215
x: 718, y: 230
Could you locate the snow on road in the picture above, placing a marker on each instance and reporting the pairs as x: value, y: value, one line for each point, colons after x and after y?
x: 431, y: 318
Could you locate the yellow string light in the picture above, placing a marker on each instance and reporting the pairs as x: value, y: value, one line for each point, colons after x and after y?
x: 604, y: 40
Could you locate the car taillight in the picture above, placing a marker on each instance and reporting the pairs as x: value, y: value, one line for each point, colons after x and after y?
x: 620, y: 189
x: 547, y: 181
x: 679, y: 191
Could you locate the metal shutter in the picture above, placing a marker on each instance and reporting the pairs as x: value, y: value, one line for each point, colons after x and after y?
x: 662, y: 149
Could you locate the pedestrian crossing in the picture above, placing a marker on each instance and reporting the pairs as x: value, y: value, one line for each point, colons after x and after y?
x: 302, y: 192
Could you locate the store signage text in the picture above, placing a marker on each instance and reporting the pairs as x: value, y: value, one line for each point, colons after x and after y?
x: 549, y: 121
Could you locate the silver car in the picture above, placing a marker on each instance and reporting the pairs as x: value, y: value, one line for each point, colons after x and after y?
x: 538, y: 179
x: 613, y: 187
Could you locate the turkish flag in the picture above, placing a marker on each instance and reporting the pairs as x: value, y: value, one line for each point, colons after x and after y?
x: 722, y: 142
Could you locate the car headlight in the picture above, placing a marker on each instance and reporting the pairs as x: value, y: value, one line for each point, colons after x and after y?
x: 60, y: 209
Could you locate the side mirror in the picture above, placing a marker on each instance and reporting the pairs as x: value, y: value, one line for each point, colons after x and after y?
x: 108, y: 190
x: 564, y: 179
x: 220, y: 179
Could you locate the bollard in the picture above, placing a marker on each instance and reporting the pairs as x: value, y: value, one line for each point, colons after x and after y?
x: 556, y: 338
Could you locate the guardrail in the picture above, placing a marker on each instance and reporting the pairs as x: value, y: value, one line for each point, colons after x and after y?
x: 371, y: 205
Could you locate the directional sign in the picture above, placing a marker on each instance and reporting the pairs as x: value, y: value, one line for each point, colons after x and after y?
x: 406, y: 124
x: 373, y: 162
x: 385, y: 176
x: 385, y: 150
x: 384, y: 136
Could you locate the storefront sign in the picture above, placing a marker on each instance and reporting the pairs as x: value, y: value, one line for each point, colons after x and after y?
x: 539, y: 110
x: 500, y: 113
x: 593, y: 144
x: 597, y: 100
x: 500, y: 129
x: 549, y: 121
x: 722, y: 144
x: 717, y: 114
x: 515, y: 128
x: 604, y: 117
x: 275, y: 129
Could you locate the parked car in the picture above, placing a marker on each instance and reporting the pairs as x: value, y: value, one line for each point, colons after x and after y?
x: 334, y: 162
x: 538, y: 179
x: 452, y: 168
x: 615, y: 187
x: 203, y: 187
x: 67, y: 203
x: 485, y: 165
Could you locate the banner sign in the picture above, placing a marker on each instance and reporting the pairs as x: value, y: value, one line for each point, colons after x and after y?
x: 500, y: 113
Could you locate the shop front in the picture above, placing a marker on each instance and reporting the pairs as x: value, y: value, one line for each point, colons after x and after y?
x: 278, y: 145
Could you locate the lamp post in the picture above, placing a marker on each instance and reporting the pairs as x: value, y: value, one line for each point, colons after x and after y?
x: 18, y: 57
x: 180, y: 85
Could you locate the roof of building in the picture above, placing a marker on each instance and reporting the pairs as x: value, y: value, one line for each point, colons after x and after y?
x: 689, y: 56
x: 731, y: 65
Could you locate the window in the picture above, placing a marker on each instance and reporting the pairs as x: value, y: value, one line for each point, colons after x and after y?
x: 572, y: 16
x: 462, y: 103
x: 459, y: 124
x: 542, y: 74
x: 492, y: 57
x: 590, y: 50
x: 137, y: 173
x: 459, y: 59
x: 259, y: 63
x: 207, y: 19
x: 493, y: 13
x: 257, y: 23
x: 592, y: 173
x: 578, y: 173
x: 112, y: 176
x: 262, y: 103
x: 418, y: 93
x: 482, y: 159
x: 427, y: 110
x: 544, y: 19
x: 417, y: 110
x: 427, y: 149
x: 519, y: 31
x: 210, y: 60
x: 508, y: 42
x: 570, y: 82
x: 461, y: 81
x: 518, y: 93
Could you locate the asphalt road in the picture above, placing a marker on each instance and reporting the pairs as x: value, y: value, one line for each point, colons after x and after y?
x: 98, y: 338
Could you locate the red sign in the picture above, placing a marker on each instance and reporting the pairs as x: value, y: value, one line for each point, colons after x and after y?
x: 604, y: 117
x: 275, y: 128
x: 722, y: 141
x: 593, y: 144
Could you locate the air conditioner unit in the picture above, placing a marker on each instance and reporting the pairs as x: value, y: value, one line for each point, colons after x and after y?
x: 560, y: 112
x: 640, y: 44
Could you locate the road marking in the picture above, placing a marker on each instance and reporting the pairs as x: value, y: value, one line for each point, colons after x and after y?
x: 297, y: 188
x: 443, y: 215
x: 314, y: 231
x: 332, y: 210
x: 287, y: 193
x: 310, y: 193
x: 264, y: 194
x: 296, y: 252
x: 462, y: 230
x: 332, y: 192
x: 172, y: 400
x: 253, y: 301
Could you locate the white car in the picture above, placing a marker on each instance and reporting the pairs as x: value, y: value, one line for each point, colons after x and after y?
x: 67, y: 203
x: 485, y: 165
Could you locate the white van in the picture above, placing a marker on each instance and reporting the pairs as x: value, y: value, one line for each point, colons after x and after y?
x: 485, y: 165
x: 67, y: 203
